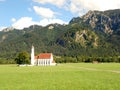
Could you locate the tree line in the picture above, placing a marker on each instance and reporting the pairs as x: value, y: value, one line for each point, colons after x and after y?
x: 86, y: 59
x: 24, y: 58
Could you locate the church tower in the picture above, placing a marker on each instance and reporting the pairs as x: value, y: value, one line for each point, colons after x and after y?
x: 32, y: 55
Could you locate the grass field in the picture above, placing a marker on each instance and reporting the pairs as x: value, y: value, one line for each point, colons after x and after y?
x: 78, y: 76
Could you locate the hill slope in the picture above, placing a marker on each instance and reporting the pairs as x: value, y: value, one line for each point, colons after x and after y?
x: 94, y: 34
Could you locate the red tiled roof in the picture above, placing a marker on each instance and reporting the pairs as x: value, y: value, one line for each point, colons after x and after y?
x: 43, y: 56
x: 36, y: 57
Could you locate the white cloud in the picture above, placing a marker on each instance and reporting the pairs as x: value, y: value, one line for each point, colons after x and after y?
x: 58, y: 3
x: 13, y: 20
x: 44, y: 12
x: 45, y: 22
x: 78, y: 6
x: 24, y: 22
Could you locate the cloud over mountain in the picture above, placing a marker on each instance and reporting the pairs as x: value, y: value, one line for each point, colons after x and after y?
x: 80, y: 7
x: 23, y: 22
x: 44, y: 12
x: 45, y: 22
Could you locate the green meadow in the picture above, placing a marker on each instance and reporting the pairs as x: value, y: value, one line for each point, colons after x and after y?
x: 74, y: 76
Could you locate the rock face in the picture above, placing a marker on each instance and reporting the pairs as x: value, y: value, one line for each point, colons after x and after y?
x: 86, y: 37
x: 3, y: 38
x: 8, y: 29
x: 106, y: 21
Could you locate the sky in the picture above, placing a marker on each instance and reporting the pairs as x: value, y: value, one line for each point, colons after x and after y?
x: 24, y: 13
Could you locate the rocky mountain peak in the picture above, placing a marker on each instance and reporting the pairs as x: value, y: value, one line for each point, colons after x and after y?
x: 8, y: 29
x: 105, y: 21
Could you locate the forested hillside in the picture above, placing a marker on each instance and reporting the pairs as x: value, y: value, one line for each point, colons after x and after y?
x: 96, y: 34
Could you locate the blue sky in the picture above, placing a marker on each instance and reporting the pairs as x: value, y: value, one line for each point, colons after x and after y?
x: 23, y: 13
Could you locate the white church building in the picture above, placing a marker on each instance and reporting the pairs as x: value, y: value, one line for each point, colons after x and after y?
x: 43, y: 59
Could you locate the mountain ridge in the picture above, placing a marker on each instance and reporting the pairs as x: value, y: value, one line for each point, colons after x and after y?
x: 87, y: 34
x: 106, y: 21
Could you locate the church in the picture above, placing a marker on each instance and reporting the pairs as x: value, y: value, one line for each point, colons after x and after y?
x: 43, y: 59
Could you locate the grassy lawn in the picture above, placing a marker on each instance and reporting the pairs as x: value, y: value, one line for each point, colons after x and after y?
x: 79, y: 76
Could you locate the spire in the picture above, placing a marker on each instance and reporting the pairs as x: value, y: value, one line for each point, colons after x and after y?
x: 32, y: 55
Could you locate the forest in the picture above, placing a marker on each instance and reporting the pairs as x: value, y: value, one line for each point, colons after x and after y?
x: 82, y: 40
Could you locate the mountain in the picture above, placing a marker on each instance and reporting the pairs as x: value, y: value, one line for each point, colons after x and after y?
x: 8, y: 29
x: 106, y: 21
x: 96, y: 33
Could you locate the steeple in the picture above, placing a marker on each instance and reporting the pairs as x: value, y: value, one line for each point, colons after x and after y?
x: 32, y: 55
